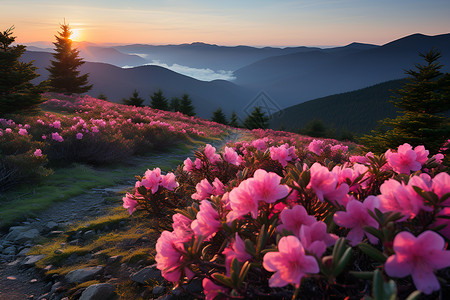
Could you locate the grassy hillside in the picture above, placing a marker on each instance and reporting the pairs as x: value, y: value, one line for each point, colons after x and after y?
x: 357, y: 111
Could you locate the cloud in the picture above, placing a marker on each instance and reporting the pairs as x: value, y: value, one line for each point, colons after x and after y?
x: 200, y: 74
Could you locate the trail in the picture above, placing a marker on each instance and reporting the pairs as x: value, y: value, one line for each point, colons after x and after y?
x: 18, y: 281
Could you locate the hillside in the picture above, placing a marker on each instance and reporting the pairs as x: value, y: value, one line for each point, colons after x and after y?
x: 357, y: 111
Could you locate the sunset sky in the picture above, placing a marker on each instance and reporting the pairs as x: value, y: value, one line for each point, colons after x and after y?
x: 258, y: 23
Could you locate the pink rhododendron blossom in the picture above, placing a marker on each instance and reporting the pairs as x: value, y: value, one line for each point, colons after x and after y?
x: 397, y: 197
x: 152, y: 179
x: 8, y: 130
x: 207, y: 222
x: 231, y: 156
x: 322, y: 180
x: 198, y: 163
x: 441, y: 186
x: 211, y: 154
x: 56, y: 124
x: 236, y: 250
x: 94, y: 129
x: 315, y: 238
x: 405, y: 160
x: 169, y: 257
x: 44, y: 137
x: 57, y: 137
x: 182, y: 227
x: 267, y: 187
x: 1, y: 132
x: 283, y: 154
x: 79, y: 136
x: 443, y: 218
x: 316, y: 146
x: 293, y: 219
x: 168, y: 181
x: 421, y: 154
x: 418, y: 257
x: 38, y: 153
x: 129, y: 202
x: 260, y: 144
x: 212, y: 290
x: 290, y: 263
x: 242, y: 201
x: 188, y: 165
x: 203, y: 190
x: 218, y: 187
x: 356, y: 217
x: 23, y: 131
x: 438, y: 158
x: 361, y: 159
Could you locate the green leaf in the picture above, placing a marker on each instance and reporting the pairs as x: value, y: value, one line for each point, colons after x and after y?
x: 370, y: 251
x: 243, y: 274
x: 223, y: 279
x: 414, y: 295
x: 378, y: 286
x: 250, y: 247
x: 338, y: 251
x: 343, y: 262
x: 373, y: 231
x: 235, y: 270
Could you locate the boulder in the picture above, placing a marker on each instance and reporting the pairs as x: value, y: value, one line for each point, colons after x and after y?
x: 28, y: 235
x: 32, y: 259
x: 147, y: 274
x: 101, y: 291
x: 11, y: 250
x: 82, y: 275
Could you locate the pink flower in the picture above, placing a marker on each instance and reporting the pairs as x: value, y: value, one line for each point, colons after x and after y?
x: 236, y: 250
x: 242, y: 201
x: 322, y: 181
x: 356, y: 217
x: 57, y: 137
x: 218, y: 187
x: 57, y: 124
x: 405, y: 160
x: 170, y: 257
x: 168, y: 181
x: 267, y: 187
x: 38, y: 153
x: 203, y: 190
x: 290, y: 263
x: 152, y: 180
x: 316, y: 146
x: 421, y: 154
x: 129, y: 202
x: 23, y: 131
x: 438, y: 157
x: 441, y: 186
x: 188, y: 165
x: 283, y: 154
x: 8, y: 130
x: 293, y: 219
x: 211, y: 289
x: 397, y: 197
x: 79, y: 136
x: 260, y: 144
x: 231, y: 156
x: 210, y: 153
x: 198, y: 163
x: 315, y: 238
x: 418, y: 257
x: 361, y: 159
x: 207, y: 222
x: 94, y: 129
x: 182, y: 227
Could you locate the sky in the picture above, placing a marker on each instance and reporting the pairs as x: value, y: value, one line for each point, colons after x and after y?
x: 244, y: 22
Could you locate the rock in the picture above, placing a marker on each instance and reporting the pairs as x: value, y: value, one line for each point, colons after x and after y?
x: 24, y: 252
x: 15, y: 231
x: 58, y: 251
x: 158, y: 290
x: 11, y: 250
x: 51, y: 225
x: 195, y: 286
x: 74, y: 242
x: 114, y: 259
x: 56, y: 232
x: 101, y: 291
x: 32, y: 259
x: 89, y: 234
x: 82, y: 275
x: 149, y: 273
x: 26, y: 236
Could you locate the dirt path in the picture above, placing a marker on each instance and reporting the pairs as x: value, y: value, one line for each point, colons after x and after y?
x: 19, y: 281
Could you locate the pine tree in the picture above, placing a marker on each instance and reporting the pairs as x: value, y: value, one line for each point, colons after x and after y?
x: 134, y: 100
x: 219, y: 117
x: 64, y: 74
x: 234, y: 120
x: 102, y: 96
x: 422, y: 100
x: 257, y: 119
x: 174, y: 104
x: 16, y: 91
x: 186, y: 106
x: 159, y: 101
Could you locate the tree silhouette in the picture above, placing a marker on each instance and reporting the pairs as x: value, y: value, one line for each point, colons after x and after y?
x: 64, y: 74
x: 158, y: 101
x: 186, y: 106
x: 234, y: 120
x: 422, y: 100
x: 257, y: 119
x: 134, y: 100
x: 174, y: 104
x: 16, y: 91
x: 219, y: 117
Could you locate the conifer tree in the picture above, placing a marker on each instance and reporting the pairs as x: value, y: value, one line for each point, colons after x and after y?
x: 234, y: 120
x: 219, y: 117
x: 257, y: 119
x: 186, y: 106
x: 422, y: 100
x: 64, y: 74
x: 16, y: 91
x: 102, y: 96
x: 134, y: 100
x: 174, y: 104
x: 158, y: 101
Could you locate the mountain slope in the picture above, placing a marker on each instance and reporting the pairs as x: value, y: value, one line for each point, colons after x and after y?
x: 117, y: 83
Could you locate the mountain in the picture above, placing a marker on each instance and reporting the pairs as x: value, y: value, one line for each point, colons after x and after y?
x: 118, y: 83
x: 207, y: 56
x: 295, y: 78
x: 357, y: 111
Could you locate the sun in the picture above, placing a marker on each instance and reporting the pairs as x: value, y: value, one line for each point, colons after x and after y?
x: 75, y: 34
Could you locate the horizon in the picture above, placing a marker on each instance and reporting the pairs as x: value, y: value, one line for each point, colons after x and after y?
x: 252, y: 23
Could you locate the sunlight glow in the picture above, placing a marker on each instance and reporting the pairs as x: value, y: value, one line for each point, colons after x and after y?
x: 76, y: 33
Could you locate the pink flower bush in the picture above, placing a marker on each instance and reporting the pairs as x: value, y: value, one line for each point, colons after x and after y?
x: 418, y: 257
x: 398, y: 197
x: 212, y: 290
x: 211, y: 154
x: 406, y: 159
x: 290, y: 263
x: 293, y: 219
x: 182, y: 227
x: 242, y: 201
x: 231, y: 156
x: 79, y: 136
x: 129, y: 202
x: 283, y: 154
x: 207, y: 222
x: 57, y: 137
x: 356, y: 217
x: 266, y: 187
x: 188, y: 165
x: 316, y: 146
x: 236, y: 249
x: 315, y: 238
x: 322, y: 180
x: 23, y: 131
x: 38, y: 153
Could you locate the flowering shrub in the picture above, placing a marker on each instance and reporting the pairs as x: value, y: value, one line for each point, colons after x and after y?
x: 276, y: 217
